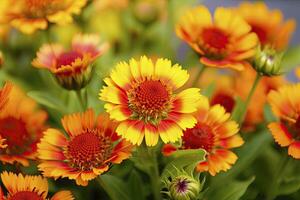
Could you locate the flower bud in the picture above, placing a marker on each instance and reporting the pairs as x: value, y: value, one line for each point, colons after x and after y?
x: 267, y: 61
x: 184, y: 188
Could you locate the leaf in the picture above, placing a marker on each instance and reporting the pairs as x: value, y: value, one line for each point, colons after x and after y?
x: 47, y: 100
x: 291, y: 59
x: 115, y: 188
x: 184, y: 159
x: 289, y: 186
x: 232, y: 191
x: 136, y: 189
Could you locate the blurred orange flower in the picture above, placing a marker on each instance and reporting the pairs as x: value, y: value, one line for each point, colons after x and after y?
x: 216, y: 134
x: 89, y: 149
x: 72, y: 68
x: 269, y: 25
x: 21, y: 125
x: 285, y: 103
x: 21, y: 187
x: 224, y: 42
x: 31, y: 15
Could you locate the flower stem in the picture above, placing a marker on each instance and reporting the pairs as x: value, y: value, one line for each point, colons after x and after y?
x: 198, y: 75
x: 252, y: 90
x: 81, y: 100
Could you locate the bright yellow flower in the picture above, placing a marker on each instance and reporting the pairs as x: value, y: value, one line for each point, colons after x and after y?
x: 21, y: 187
x: 31, y: 15
x: 90, y: 147
x: 141, y: 95
x: 216, y: 134
x: 285, y: 103
x: 21, y: 125
x: 269, y: 25
x: 224, y: 42
x: 73, y: 67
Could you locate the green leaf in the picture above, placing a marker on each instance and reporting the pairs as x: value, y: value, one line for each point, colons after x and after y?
x: 184, y: 159
x: 289, y: 186
x: 231, y: 191
x: 291, y: 59
x: 136, y: 189
x: 115, y: 188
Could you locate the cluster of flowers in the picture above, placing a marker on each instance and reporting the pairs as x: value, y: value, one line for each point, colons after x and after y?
x: 144, y: 98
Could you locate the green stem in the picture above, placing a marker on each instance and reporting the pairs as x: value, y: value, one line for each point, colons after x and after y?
x: 108, y: 191
x: 277, y: 178
x: 80, y: 99
x: 198, y: 76
x: 244, y: 111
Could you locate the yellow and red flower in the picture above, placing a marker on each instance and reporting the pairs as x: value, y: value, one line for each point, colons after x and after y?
x: 31, y: 15
x: 285, y: 103
x: 224, y: 42
x: 216, y: 134
x: 21, y: 187
x: 72, y: 68
x: 21, y: 126
x: 141, y: 95
x: 88, y: 150
x: 269, y: 25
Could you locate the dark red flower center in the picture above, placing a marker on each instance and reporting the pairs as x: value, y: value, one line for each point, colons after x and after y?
x: 215, y: 38
x: 25, y: 195
x: 182, y: 185
x: 16, y: 134
x: 199, y: 137
x: 260, y: 32
x: 67, y: 58
x: 149, y: 99
x: 88, y: 150
x: 224, y: 100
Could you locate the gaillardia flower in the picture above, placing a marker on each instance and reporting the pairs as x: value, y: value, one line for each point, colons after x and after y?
x: 269, y: 25
x: 72, y: 68
x: 88, y: 150
x: 21, y: 126
x: 21, y: 187
x: 285, y: 105
x: 224, y: 42
x: 31, y: 15
x: 214, y: 133
x: 140, y: 94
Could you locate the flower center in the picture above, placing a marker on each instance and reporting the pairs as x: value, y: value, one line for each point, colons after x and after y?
x: 25, y: 195
x: 181, y: 185
x: 16, y: 135
x: 260, y: 32
x: 215, y: 38
x: 201, y: 136
x: 224, y: 100
x: 149, y: 101
x: 67, y: 58
x: 88, y: 150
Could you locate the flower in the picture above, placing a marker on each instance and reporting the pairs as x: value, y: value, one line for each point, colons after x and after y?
x: 285, y: 105
x: 31, y: 15
x: 21, y: 187
x: 225, y: 42
x: 269, y: 25
x: 72, y: 68
x: 21, y: 125
x: 87, y: 151
x: 140, y: 94
x: 216, y: 134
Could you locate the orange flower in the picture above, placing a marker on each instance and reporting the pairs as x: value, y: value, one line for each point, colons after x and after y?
x: 88, y: 150
x: 21, y: 125
x: 285, y: 103
x: 72, y: 68
x: 225, y: 42
x: 21, y: 187
x: 216, y: 134
x: 268, y: 24
x: 31, y: 15
x: 141, y: 95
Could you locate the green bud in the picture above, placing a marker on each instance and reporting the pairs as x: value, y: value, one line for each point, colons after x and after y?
x: 184, y: 188
x: 267, y: 61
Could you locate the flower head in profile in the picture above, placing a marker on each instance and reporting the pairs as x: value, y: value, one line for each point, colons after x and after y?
x: 21, y: 187
x: 223, y: 42
x: 285, y: 104
x: 141, y: 96
x: 21, y: 127
x: 90, y: 147
x: 31, y: 15
x: 268, y: 25
x: 216, y: 134
x: 72, y: 67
